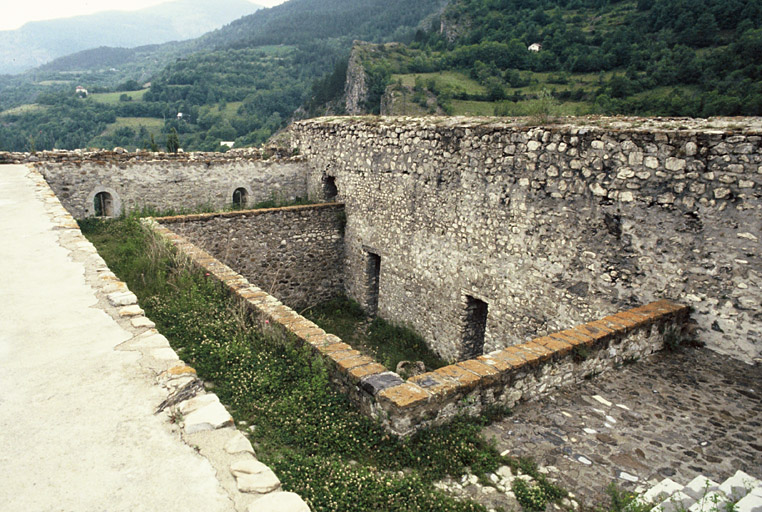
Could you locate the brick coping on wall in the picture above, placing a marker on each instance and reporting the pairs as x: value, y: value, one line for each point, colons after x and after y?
x: 506, y: 376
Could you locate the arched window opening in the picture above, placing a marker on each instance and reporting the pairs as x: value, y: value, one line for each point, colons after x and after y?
x: 239, y: 198
x: 330, y: 191
x: 103, y: 204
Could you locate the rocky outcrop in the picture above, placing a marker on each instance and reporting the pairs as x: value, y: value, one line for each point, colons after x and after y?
x: 356, y: 87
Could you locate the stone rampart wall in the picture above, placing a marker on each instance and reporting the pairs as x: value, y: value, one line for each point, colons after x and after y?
x: 163, y: 182
x: 503, y: 377
x: 549, y: 226
x: 296, y: 253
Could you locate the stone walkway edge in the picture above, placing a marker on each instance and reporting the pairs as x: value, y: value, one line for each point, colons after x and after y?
x: 205, y: 423
x: 504, y: 377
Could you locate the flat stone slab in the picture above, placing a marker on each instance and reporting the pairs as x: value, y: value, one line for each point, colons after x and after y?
x: 751, y: 503
x: 739, y: 484
x: 141, y: 321
x: 374, y: 384
x: 122, y: 299
x: 128, y: 311
x: 208, y: 417
x: 238, y: 444
x: 150, y: 340
x: 164, y: 354
x: 254, y: 477
x: 280, y: 502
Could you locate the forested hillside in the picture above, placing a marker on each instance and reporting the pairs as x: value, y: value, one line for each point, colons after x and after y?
x: 245, y: 81
x: 240, y: 83
x: 653, y: 57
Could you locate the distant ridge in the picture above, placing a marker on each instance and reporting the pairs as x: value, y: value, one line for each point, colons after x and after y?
x: 40, y: 42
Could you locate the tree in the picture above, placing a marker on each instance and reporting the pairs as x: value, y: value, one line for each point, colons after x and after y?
x: 173, y: 141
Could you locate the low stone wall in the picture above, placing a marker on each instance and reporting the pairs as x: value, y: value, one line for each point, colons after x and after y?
x: 503, y: 377
x: 295, y: 253
x: 164, y: 181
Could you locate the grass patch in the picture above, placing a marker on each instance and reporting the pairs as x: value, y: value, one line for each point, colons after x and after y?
x: 152, y: 124
x: 383, y: 341
x: 319, y: 445
x: 473, y: 108
x: 456, y: 80
x: 24, y: 109
x: 113, y: 98
x: 230, y: 110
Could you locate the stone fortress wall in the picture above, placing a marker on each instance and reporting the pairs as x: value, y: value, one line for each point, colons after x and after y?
x: 295, y: 253
x: 545, y: 227
x: 503, y: 377
x: 166, y: 182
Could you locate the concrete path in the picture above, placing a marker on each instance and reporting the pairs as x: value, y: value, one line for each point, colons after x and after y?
x: 77, y: 429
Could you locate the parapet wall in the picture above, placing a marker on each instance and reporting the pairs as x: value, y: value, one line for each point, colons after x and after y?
x: 503, y: 377
x: 295, y: 253
x: 164, y: 182
x: 551, y: 226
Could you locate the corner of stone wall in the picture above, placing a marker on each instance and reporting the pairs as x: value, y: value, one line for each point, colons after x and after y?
x: 504, y: 377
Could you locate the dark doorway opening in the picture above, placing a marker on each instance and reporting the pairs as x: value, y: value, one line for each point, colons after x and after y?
x: 239, y: 198
x: 330, y: 191
x: 475, y: 328
x: 373, y: 273
x: 103, y: 204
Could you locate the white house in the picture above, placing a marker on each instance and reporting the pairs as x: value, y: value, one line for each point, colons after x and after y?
x: 81, y: 90
x: 535, y: 47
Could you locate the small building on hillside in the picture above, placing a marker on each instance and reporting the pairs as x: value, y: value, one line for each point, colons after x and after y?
x: 535, y: 47
x: 80, y: 91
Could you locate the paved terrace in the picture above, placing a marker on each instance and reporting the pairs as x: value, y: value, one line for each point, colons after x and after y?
x: 80, y: 379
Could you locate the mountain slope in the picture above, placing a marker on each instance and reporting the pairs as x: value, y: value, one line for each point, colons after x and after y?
x: 514, y: 57
x: 39, y: 42
x: 241, y: 82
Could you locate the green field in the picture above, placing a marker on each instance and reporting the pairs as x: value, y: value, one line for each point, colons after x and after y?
x: 112, y: 98
x: 152, y: 124
x: 231, y: 110
x: 54, y: 82
x: 459, y: 82
x: 456, y: 80
x: 24, y: 109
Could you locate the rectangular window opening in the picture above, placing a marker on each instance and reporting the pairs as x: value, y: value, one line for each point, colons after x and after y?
x: 373, y: 273
x: 475, y: 328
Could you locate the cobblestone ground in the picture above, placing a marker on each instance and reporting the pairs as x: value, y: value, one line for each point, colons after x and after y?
x: 674, y: 415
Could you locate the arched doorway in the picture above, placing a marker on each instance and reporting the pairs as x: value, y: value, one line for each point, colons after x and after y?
x: 239, y: 198
x: 103, y: 205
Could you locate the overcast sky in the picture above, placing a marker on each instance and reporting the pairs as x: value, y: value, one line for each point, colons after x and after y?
x: 14, y: 13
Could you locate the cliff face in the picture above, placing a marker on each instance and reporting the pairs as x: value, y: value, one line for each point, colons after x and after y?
x: 356, y: 87
x: 452, y: 28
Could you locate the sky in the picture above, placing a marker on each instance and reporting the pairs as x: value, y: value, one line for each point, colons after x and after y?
x: 14, y: 13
